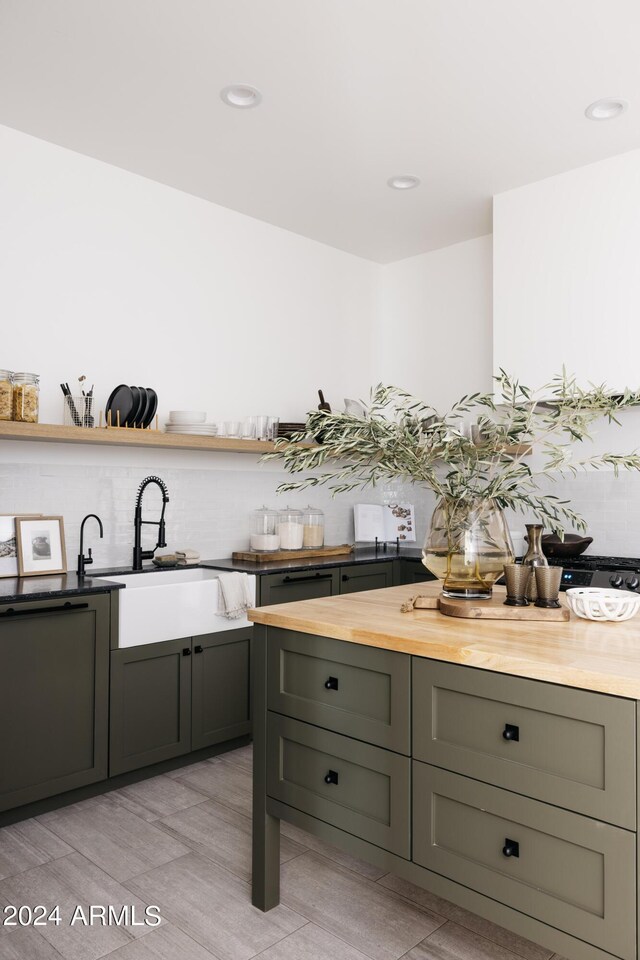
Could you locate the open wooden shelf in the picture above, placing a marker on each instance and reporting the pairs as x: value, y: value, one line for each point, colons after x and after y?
x: 56, y: 433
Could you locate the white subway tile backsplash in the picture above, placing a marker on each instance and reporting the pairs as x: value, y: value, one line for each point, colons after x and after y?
x: 210, y: 509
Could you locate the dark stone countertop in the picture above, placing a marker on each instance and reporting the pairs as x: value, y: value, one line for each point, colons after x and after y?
x: 360, y: 555
x: 16, y: 589
x: 20, y: 589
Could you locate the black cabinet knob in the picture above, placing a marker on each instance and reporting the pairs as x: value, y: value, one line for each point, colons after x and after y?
x: 186, y: 652
x: 344, y: 577
x: 331, y: 683
x: 511, y: 732
x: 632, y: 583
x: 616, y: 581
x: 197, y: 648
x: 511, y: 848
x: 331, y: 777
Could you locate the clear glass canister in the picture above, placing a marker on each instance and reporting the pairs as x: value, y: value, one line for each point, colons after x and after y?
x: 290, y: 529
x: 264, y: 530
x: 26, y: 397
x: 313, y: 528
x: 6, y: 395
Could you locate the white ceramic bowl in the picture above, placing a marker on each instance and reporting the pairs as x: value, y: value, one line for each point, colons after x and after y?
x: 592, y: 603
x: 187, y: 416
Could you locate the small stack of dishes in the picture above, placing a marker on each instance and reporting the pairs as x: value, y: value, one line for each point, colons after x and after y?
x: 131, y: 406
x: 190, y: 422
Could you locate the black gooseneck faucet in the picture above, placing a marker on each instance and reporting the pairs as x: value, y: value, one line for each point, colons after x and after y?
x: 82, y: 560
x: 138, y: 553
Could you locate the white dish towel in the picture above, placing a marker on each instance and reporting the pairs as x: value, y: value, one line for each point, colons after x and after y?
x: 236, y: 595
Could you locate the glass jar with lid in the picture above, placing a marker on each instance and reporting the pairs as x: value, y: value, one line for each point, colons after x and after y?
x: 290, y: 529
x: 313, y: 528
x: 6, y: 395
x: 264, y: 530
x: 26, y: 397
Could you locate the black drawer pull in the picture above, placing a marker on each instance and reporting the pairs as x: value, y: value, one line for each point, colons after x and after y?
x: 511, y: 732
x: 511, y: 848
x: 331, y: 683
x: 315, y: 576
x: 345, y: 577
x: 331, y: 777
x: 197, y: 648
x: 59, y: 608
x: 186, y: 652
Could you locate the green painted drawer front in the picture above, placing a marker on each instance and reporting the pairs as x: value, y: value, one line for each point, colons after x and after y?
x: 289, y: 587
x: 352, y: 689
x: 574, y: 749
x: 367, y: 793
x: 366, y: 576
x: 573, y: 873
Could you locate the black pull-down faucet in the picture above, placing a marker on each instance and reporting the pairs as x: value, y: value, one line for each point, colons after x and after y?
x: 82, y: 560
x: 138, y: 553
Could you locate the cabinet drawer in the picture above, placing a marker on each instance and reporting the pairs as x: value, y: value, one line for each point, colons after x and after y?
x: 290, y: 587
x: 354, y: 786
x: 568, y: 871
x: 569, y: 747
x: 352, y: 689
x: 366, y: 576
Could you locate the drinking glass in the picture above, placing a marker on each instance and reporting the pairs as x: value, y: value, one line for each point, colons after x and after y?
x: 232, y: 428
x: 272, y: 428
x: 249, y: 428
x: 262, y: 425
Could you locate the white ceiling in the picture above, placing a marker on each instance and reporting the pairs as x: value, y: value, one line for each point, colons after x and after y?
x: 472, y: 96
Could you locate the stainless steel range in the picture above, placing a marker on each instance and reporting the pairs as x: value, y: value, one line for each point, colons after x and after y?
x: 621, y: 573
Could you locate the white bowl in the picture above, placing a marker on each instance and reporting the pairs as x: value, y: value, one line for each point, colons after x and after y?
x: 592, y: 603
x: 187, y: 416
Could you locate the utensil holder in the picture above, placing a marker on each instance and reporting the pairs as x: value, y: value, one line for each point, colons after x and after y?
x: 78, y: 412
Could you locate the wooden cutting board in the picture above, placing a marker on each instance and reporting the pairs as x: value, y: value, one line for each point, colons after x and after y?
x: 493, y: 609
x: 339, y: 550
x: 496, y: 609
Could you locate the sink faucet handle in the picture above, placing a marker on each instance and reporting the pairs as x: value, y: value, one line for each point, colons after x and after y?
x: 89, y: 559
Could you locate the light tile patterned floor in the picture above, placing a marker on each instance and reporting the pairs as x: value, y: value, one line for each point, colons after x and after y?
x: 183, y: 841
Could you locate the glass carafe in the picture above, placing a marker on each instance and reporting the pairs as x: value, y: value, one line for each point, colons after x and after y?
x: 534, y: 557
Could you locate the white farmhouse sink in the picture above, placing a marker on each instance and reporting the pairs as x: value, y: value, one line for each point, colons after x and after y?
x: 169, y: 605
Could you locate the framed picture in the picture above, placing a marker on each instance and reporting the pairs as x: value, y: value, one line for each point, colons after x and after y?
x: 8, y: 548
x: 40, y: 546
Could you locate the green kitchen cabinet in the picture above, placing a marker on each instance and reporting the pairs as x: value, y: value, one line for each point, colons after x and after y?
x: 176, y: 696
x: 366, y: 576
x: 286, y: 587
x: 412, y: 570
x: 54, y: 693
x: 150, y: 704
x: 220, y: 692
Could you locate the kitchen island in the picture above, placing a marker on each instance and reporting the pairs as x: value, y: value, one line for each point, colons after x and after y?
x: 493, y: 763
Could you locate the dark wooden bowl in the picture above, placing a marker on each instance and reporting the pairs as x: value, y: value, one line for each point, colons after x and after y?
x: 572, y: 545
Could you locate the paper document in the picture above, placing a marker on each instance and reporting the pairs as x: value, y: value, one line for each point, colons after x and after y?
x: 388, y: 522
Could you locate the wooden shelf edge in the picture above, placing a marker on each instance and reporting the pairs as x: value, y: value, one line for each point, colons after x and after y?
x: 57, y: 433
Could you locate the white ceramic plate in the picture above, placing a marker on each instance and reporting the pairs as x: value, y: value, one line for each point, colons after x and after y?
x: 187, y: 416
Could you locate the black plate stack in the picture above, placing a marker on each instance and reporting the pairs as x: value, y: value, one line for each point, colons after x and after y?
x: 131, y: 406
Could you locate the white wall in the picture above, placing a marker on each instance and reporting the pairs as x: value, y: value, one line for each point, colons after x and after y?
x: 567, y: 275
x: 433, y: 325
x: 111, y: 275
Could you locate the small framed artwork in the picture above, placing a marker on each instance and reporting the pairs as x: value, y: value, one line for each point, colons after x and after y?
x: 8, y: 547
x: 40, y: 546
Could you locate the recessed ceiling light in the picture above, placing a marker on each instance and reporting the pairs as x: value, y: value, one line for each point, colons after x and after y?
x: 403, y: 182
x: 606, y: 109
x: 241, y: 95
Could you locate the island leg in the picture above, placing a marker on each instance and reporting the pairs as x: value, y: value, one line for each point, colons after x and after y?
x: 266, y: 829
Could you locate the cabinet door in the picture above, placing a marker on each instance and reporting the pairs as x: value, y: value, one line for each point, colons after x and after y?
x: 54, y: 689
x: 414, y: 571
x: 220, y: 696
x: 285, y: 587
x: 366, y: 576
x: 150, y: 704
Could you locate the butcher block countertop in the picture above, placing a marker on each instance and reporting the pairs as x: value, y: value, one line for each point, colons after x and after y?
x: 604, y: 657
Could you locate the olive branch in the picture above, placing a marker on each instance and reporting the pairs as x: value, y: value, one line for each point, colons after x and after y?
x: 474, y: 453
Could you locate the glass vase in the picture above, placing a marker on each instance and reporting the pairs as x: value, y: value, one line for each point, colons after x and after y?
x: 467, y: 547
